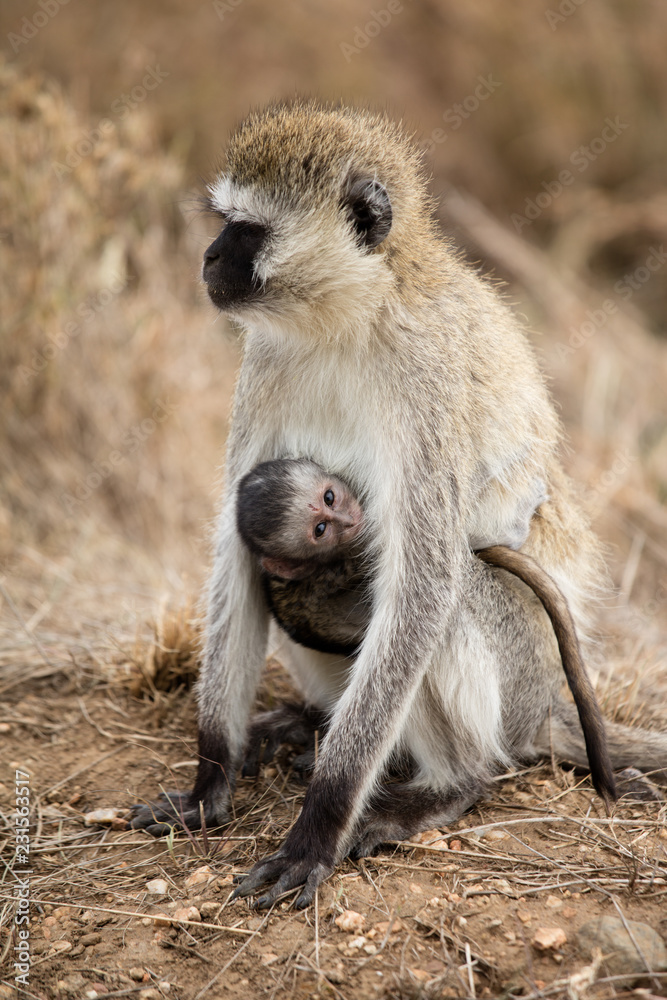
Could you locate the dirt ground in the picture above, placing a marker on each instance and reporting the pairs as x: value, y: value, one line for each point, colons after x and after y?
x: 467, y: 907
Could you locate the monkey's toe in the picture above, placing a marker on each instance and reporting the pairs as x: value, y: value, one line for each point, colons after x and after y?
x: 160, y: 817
x: 635, y: 787
x: 304, y: 764
x: 367, y: 847
x: 286, y: 875
x: 294, y: 724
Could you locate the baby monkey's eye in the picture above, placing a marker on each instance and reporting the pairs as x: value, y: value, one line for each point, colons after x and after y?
x: 329, y: 498
x: 320, y: 529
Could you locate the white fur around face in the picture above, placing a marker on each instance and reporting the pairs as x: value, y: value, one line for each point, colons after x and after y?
x: 307, y: 293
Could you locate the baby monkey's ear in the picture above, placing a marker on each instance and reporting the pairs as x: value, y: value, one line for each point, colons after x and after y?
x: 286, y: 569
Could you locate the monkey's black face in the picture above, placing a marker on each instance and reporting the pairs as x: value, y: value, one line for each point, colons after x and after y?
x: 229, y: 264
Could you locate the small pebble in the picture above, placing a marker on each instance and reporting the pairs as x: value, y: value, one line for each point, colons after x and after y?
x: 381, y: 929
x: 495, y: 835
x: 336, y: 976
x: 104, y: 817
x: 549, y: 938
x: 60, y: 947
x: 89, y: 939
x: 158, y: 886
x: 199, y: 876
x: 350, y: 921
x: 187, y: 913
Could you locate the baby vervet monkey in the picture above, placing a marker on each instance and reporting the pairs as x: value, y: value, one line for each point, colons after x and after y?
x: 370, y: 346
x: 305, y: 527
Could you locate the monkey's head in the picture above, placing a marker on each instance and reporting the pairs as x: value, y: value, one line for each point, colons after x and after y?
x: 321, y: 208
x: 295, y: 517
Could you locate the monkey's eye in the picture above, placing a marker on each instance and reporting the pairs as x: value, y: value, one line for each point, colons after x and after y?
x: 329, y: 498
x: 320, y: 529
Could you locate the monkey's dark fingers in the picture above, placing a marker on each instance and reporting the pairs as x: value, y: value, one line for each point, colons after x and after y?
x: 289, y: 875
x: 304, y: 764
x: 259, y: 875
x: 365, y: 847
x: 261, y: 750
x: 291, y: 723
x: 157, y: 818
x: 634, y: 786
x: 316, y: 877
x: 257, y: 753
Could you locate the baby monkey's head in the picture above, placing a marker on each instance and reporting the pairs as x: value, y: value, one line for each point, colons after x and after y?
x: 296, y: 517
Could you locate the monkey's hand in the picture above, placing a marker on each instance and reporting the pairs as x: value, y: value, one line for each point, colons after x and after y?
x: 287, y: 871
x: 292, y: 723
x: 172, y: 809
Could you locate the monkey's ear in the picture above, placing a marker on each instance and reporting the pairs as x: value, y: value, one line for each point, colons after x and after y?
x: 369, y: 211
x: 286, y: 569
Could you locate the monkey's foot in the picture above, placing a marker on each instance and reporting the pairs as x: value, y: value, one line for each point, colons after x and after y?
x: 291, y: 723
x: 634, y: 786
x: 174, y: 809
x: 286, y: 873
x: 399, y: 811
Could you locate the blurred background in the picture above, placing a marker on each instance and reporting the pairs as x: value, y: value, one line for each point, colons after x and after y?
x: 543, y: 126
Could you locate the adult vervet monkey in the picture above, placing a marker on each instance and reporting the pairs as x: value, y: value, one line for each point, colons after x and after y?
x: 374, y: 350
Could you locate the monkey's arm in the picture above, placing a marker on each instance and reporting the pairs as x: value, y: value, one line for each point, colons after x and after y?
x: 236, y: 638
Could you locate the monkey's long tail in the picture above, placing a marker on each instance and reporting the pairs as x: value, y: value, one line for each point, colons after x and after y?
x: 594, y: 735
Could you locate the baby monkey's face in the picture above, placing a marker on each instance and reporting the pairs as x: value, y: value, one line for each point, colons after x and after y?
x: 332, y: 518
x: 322, y: 520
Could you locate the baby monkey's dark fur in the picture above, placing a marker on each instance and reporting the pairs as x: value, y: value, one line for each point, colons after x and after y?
x: 306, y: 528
